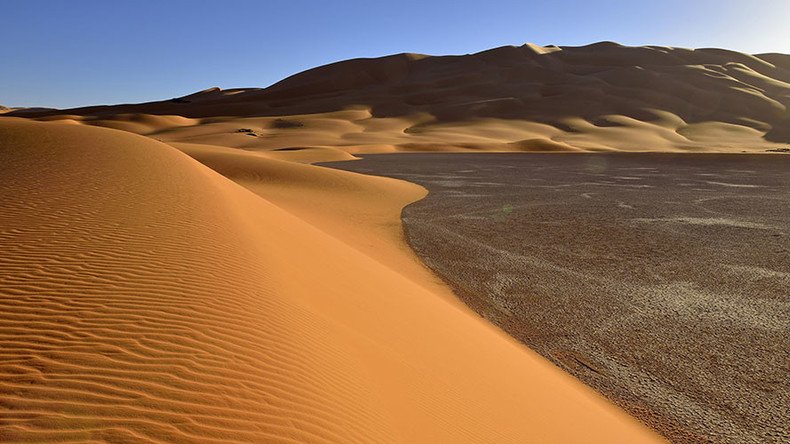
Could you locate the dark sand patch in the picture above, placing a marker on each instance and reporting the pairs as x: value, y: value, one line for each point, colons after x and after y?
x: 664, y: 290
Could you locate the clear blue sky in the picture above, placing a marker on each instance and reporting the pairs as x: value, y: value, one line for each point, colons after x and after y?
x: 68, y: 53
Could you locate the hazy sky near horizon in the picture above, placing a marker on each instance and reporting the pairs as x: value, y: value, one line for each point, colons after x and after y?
x: 83, y: 52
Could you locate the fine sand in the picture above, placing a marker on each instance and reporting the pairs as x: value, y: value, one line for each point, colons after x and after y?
x: 147, y: 298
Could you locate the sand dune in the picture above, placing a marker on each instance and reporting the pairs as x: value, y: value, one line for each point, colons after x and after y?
x: 337, y: 202
x: 603, y: 96
x: 146, y: 297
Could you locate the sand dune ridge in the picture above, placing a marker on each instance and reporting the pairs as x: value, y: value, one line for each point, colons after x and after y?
x: 602, y: 96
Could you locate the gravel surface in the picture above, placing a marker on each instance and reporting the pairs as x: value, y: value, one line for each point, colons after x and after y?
x: 661, y: 280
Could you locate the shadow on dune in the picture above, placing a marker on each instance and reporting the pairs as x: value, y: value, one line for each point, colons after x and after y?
x: 665, y: 98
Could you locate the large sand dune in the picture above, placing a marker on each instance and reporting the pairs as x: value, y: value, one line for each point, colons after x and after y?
x: 603, y: 96
x: 147, y: 298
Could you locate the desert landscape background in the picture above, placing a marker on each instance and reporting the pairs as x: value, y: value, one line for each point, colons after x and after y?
x: 179, y: 271
x: 599, y: 97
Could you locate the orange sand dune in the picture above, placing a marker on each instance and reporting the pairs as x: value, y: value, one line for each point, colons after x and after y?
x: 146, y: 297
x: 337, y: 202
x: 598, y: 97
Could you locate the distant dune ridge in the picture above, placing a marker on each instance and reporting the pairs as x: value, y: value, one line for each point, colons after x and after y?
x: 603, y: 96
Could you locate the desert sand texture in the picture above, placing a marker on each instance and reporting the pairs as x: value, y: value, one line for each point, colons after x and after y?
x: 145, y: 297
x: 600, y: 97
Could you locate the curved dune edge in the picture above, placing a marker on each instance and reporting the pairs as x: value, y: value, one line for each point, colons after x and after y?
x: 146, y: 297
x: 361, y: 211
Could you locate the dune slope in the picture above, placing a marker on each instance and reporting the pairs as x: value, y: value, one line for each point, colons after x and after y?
x: 603, y: 96
x: 138, y: 304
x: 147, y: 298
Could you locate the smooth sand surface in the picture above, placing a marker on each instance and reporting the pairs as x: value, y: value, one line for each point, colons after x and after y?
x: 659, y: 279
x: 146, y: 297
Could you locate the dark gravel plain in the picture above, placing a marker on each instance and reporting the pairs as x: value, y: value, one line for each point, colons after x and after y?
x: 661, y: 280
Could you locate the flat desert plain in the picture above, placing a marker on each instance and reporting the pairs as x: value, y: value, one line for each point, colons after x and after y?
x: 661, y: 280
x: 180, y: 271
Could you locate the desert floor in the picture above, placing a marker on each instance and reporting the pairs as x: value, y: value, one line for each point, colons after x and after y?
x: 661, y: 280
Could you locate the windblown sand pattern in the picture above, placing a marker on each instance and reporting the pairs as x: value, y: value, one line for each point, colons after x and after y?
x: 134, y: 308
x: 144, y: 297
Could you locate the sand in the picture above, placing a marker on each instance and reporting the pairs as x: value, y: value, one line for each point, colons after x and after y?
x: 599, y: 97
x: 147, y: 297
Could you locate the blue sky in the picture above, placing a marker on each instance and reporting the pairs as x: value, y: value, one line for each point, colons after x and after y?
x: 70, y: 53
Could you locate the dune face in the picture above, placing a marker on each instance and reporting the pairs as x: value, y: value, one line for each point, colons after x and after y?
x: 136, y: 306
x: 598, y: 97
x: 144, y: 297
